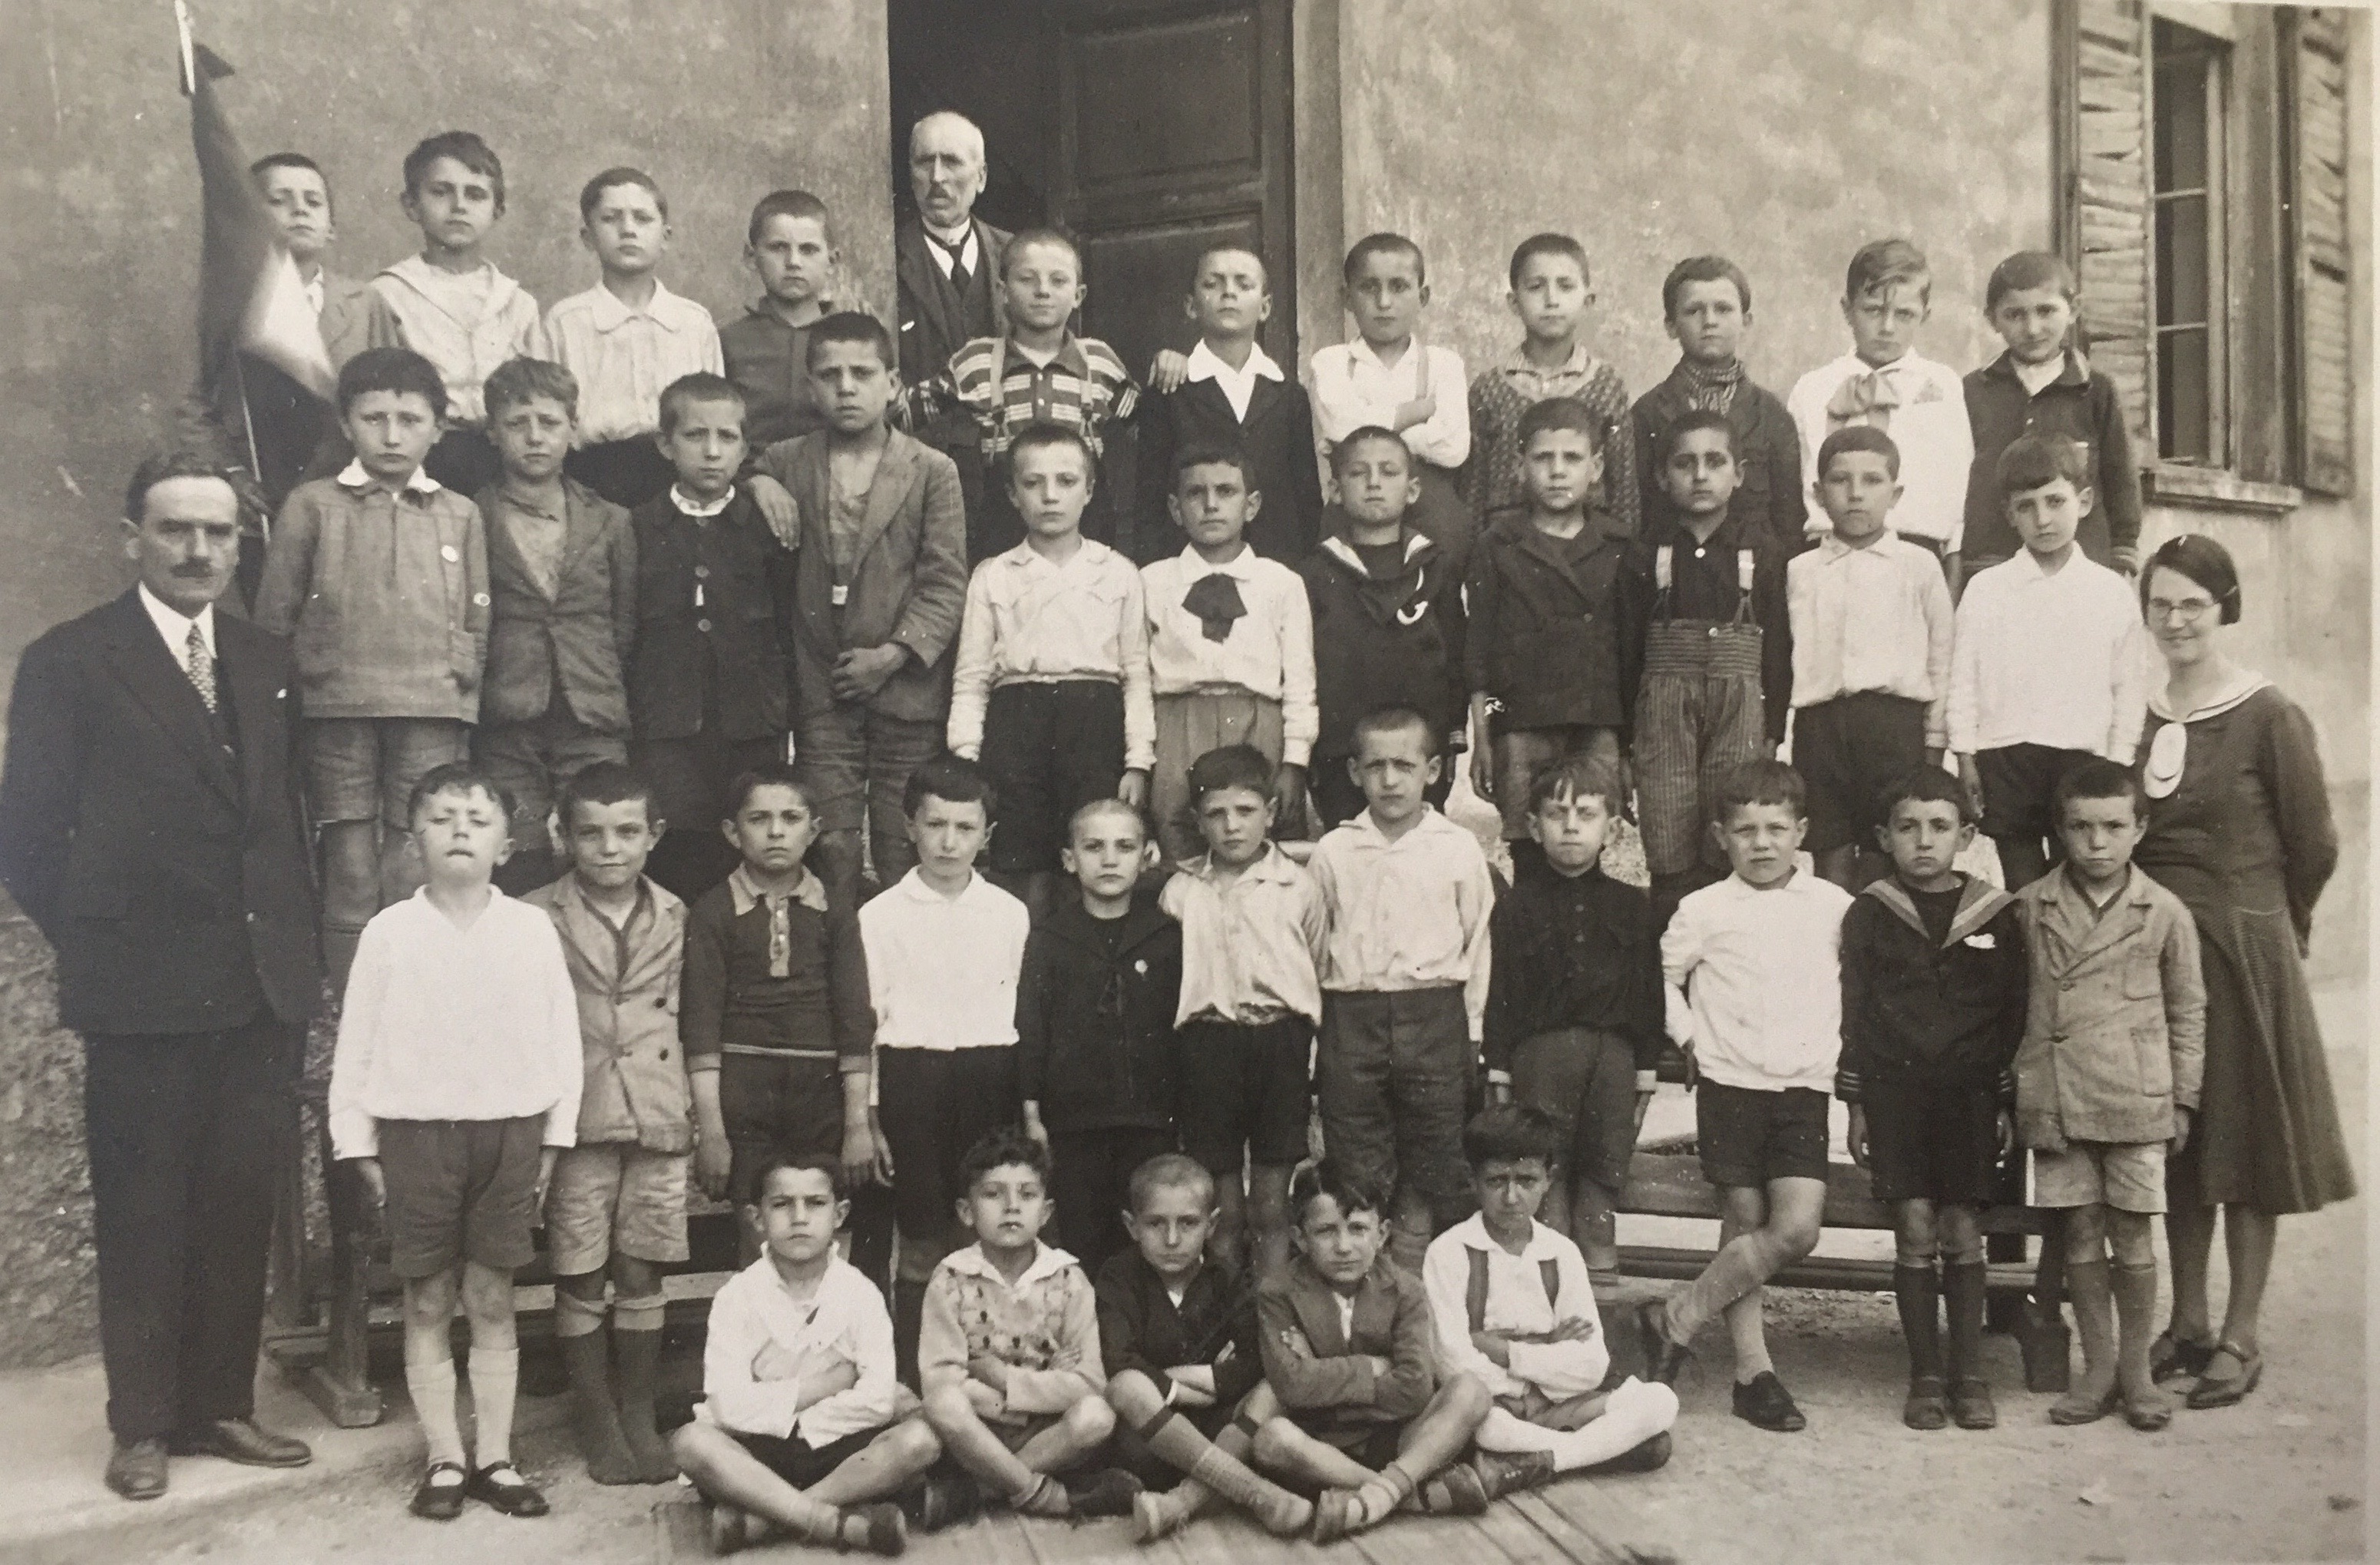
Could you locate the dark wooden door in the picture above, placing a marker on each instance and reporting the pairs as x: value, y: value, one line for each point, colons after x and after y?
x: 1173, y: 134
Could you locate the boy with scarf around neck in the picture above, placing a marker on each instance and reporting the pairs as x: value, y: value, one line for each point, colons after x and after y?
x: 1706, y: 309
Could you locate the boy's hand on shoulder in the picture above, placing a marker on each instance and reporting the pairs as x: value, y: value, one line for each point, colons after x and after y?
x: 2181, y: 1132
x: 777, y: 508
x: 1855, y: 1137
x: 860, y: 672
x: 712, y: 1159
x: 1133, y: 789
x: 375, y: 1184
x: 1168, y: 370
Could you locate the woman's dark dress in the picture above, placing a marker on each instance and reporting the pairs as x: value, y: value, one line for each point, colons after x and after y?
x: 2246, y: 840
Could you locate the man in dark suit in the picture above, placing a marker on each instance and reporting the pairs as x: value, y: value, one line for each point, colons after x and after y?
x: 150, y: 826
x: 946, y: 261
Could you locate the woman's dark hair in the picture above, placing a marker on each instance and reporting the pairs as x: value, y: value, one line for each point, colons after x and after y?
x: 2204, y: 561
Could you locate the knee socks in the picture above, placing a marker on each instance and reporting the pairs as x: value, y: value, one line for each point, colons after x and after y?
x: 637, y: 1340
x: 1916, y: 1289
x: 1210, y: 1469
x: 2135, y: 1291
x: 1739, y: 1267
x: 2091, y: 1290
x: 578, y: 1330
x: 431, y: 1386
x: 495, y: 1382
x: 1963, y: 1293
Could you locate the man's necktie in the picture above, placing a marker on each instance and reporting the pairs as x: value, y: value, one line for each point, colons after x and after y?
x: 960, y: 275
x: 1216, y: 601
x: 201, y: 665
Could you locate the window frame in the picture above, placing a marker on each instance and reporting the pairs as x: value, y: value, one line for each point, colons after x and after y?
x: 2212, y: 53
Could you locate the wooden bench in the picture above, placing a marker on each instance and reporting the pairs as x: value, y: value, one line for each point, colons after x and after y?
x: 1666, y: 1180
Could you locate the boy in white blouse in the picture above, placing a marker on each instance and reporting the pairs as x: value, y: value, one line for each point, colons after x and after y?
x: 455, y: 1086
x: 1884, y: 384
x: 1389, y: 378
x: 802, y: 1429
x: 2050, y: 663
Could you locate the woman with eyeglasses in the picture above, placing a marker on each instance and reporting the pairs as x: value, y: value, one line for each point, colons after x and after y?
x: 2239, y: 828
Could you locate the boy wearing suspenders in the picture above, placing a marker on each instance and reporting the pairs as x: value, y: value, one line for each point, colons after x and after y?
x: 1510, y: 1302
x: 1710, y: 634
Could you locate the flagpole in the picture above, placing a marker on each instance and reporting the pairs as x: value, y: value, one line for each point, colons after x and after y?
x: 188, y: 54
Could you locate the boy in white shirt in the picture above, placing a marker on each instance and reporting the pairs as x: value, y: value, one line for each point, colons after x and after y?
x: 455, y: 1086
x: 1755, y: 1001
x: 1885, y: 384
x: 1231, y: 647
x: 625, y: 338
x: 1389, y: 378
x: 800, y: 1425
x: 2050, y: 665
x: 1512, y: 1304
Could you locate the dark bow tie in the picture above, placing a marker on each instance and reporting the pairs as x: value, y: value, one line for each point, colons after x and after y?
x: 1216, y: 601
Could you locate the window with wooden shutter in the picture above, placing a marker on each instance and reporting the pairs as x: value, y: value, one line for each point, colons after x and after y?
x: 2105, y: 225
x: 2315, y: 54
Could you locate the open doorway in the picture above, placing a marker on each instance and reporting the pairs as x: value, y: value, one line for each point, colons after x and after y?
x: 1148, y: 129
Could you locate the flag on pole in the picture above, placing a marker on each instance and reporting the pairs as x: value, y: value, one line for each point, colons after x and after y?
x: 251, y: 300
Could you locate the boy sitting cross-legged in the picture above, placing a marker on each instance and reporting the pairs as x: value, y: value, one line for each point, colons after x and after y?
x: 1934, y: 1003
x: 801, y: 1428
x: 1512, y: 1307
x: 454, y: 1086
x: 1368, y: 1428
x: 1755, y: 999
x: 1573, y: 1024
x: 1252, y: 928
x: 618, y: 1199
x: 1008, y: 1356
x: 1179, y: 1333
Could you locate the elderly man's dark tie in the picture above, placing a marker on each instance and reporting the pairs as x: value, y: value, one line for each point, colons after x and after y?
x: 201, y: 664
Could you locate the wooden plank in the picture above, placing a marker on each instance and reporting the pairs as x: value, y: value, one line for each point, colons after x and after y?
x: 1584, y: 1524
x: 1844, y: 1274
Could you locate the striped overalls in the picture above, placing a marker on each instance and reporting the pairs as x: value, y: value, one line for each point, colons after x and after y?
x: 1698, y: 715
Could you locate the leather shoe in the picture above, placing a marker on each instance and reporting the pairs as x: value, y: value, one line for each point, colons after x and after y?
x: 138, y: 1471
x: 239, y: 1440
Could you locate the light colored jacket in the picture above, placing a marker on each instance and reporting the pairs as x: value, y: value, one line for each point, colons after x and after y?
x: 637, y: 1087
x: 2115, y: 1035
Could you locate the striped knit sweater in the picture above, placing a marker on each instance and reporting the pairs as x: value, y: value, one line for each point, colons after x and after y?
x: 1493, y: 477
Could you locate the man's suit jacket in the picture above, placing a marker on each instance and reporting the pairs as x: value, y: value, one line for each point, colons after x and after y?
x: 170, y: 874
x: 585, y: 630
x: 931, y: 330
x: 1279, y: 439
x: 908, y: 576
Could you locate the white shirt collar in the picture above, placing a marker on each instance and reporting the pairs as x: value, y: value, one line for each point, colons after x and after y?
x: 1024, y: 556
x: 1272, y: 865
x: 1360, y: 351
x: 314, y: 290
x: 175, y: 625
x: 1048, y: 1261
x: 1473, y: 1232
x: 1241, y: 566
x: 353, y: 476
x: 2034, y: 377
x: 1207, y: 365
x: 1430, y: 823
x: 912, y: 885
x: 963, y: 242
x: 700, y: 509
x: 609, y: 312
x: 2028, y: 566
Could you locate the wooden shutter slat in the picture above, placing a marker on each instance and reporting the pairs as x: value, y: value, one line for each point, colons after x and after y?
x: 2317, y: 61
x: 2108, y: 213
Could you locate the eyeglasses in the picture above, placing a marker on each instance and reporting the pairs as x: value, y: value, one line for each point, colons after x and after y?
x: 2189, y: 611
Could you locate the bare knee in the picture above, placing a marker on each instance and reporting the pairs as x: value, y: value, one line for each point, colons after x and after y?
x: 1464, y: 1394
x: 1090, y: 1421
x: 1135, y: 1397
x: 912, y: 1443
x: 1962, y: 1233
x: 429, y: 1301
x: 1916, y: 1238
x: 1276, y: 1443
x: 947, y: 1409
x: 2086, y: 1234
x: 696, y: 1446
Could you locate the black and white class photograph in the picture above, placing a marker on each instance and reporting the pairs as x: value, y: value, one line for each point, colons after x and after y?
x: 1186, y: 782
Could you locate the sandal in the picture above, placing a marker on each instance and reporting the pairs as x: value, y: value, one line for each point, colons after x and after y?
x: 518, y: 1498
x: 2228, y: 1390
x: 2176, y: 1358
x: 435, y: 1501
